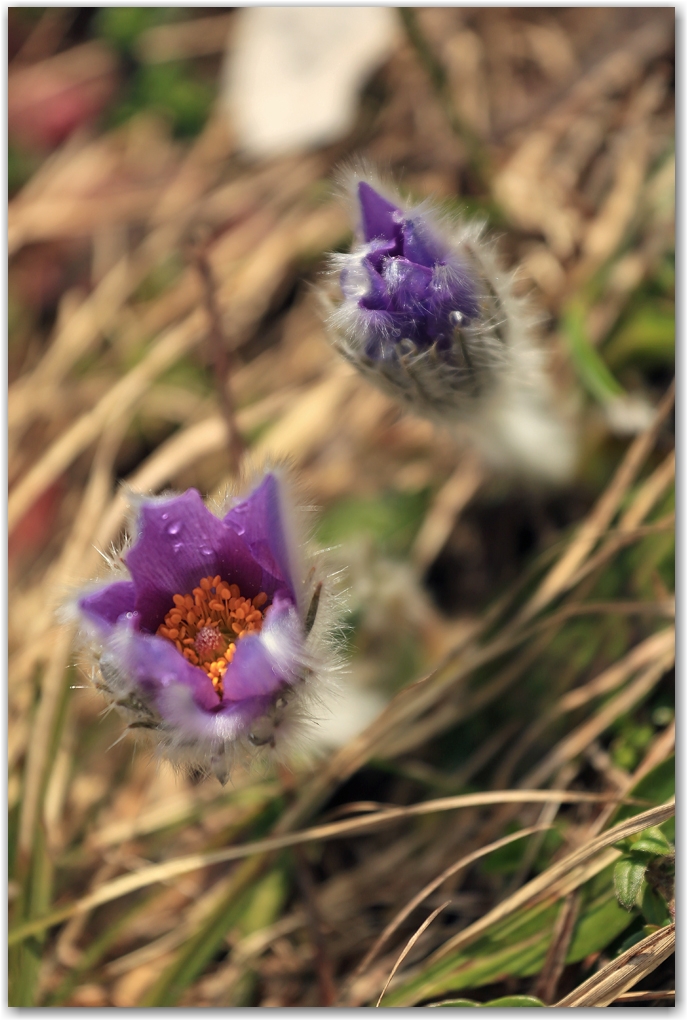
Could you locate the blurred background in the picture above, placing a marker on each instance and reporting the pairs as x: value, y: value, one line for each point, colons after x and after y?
x: 140, y: 136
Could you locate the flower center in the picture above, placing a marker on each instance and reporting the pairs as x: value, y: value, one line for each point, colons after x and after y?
x: 206, y: 625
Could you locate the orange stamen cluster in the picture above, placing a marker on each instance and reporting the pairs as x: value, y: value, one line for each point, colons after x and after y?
x: 206, y: 625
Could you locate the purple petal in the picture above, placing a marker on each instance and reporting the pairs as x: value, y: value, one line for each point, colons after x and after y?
x: 380, y: 218
x: 420, y: 245
x: 363, y: 283
x: 408, y: 283
x: 377, y: 297
x: 180, y: 542
x: 263, y: 663
x: 382, y: 252
x: 180, y: 693
x: 105, y: 606
x: 453, y: 290
x: 155, y: 664
x: 191, y: 724
x: 260, y: 523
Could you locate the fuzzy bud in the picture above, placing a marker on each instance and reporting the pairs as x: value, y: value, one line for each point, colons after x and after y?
x: 429, y: 316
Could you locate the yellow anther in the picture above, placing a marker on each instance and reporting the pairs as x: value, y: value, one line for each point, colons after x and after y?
x: 218, y: 605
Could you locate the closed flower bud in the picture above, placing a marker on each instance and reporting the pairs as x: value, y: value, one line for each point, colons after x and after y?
x: 212, y: 639
x: 428, y: 315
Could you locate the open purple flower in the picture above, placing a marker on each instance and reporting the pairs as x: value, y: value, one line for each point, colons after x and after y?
x: 427, y: 314
x: 207, y: 641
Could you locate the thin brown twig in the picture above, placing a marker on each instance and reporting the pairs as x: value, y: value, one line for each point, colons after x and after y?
x: 221, y: 358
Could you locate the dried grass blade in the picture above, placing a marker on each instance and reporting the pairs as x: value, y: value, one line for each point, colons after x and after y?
x: 617, y: 976
x: 409, y: 945
x: 651, y: 491
x: 630, y: 997
x: 618, y: 540
x: 642, y: 655
x: 580, y: 738
x: 540, y: 885
x: 88, y: 427
x: 596, y: 523
x: 42, y: 735
x: 183, y: 865
x: 434, y: 884
x: 449, y: 502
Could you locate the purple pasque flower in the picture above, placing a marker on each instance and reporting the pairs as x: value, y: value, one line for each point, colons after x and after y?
x: 207, y: 642
x: 408, y: 283
x: 427, y: 313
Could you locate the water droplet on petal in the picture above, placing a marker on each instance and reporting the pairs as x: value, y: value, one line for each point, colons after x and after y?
x: 164, y: 517
x: 174, y: 528
x: 177, y: 546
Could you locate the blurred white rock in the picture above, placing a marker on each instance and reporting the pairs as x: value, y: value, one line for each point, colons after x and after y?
x: 293, y: 75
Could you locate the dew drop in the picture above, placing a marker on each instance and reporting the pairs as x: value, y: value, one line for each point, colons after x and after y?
x: 164, y: 517
x: 177, y: 546
x: 174, y: 528
x: 456, y: 318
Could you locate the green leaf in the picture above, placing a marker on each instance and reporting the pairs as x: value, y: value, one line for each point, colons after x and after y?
x: 457, y: 1002
x: 649, y: 338
x: 517, y: 946
x: 656, y: 787
x: 391, y: 519
x: 515, y: 1000
x: 593, y: 372
x: 506, y: 1001
x: 121, y: 26
x: 652, y: 841
x: 628, y: 876
x: 653, y: 906
x: 471, y: 971
x: 631, y: 941
x: 599, y: 923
